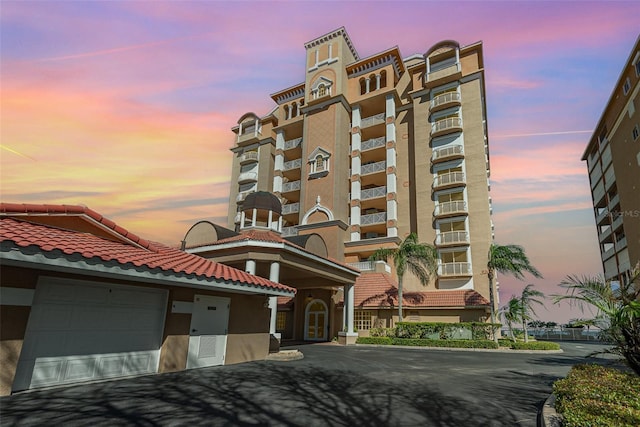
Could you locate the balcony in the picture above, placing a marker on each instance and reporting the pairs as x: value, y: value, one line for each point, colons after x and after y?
x: 373, y: 168
x: 373, y: 193
x: 248, y: 133
x: 291, y: 186
x: 608, y: 253
x: 243, y: 195
x: 450, y: 208
x: 449, y: 238
x: 289, y: 231
x: 605, y: 234
x: 447, y: 153
x: 373, y: 143
x: 444, y: 100
x: 446, y: 125
x: 247, y: 177
x: 613, y: 202
x: 454, y: 269
x: 363, y: 265
x: 600, y: 218
x: 598, y: 193
x: 621, y: 244
x: 443, y: 72
x: 249, y: 157
x: 292, y: 143
x: 293, y: 164
x: 372, y: 121
x: 290, y: 208
x: 450, y: 179
x: 617, y: 222
x: 374, y: 218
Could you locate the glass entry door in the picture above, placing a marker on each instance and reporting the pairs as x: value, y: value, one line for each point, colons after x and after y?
x: 316, y: 315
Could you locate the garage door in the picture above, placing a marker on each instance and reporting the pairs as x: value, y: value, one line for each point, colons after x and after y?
x: 81, y: 331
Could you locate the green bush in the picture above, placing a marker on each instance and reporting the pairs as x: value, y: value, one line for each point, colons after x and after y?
x: 382, y: 332
x: 595, y: 396
x: 444, y: 331
x: 534, y: 345
x: 374, y: 340
x: 504, y: 342
x: 444, y: 343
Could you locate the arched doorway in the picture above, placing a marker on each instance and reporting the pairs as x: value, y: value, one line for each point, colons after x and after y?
x: 316, y: 317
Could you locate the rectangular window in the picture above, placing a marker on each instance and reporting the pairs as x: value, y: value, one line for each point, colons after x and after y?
x: 281, y: 321
x: 362, y: 319
x: 635, y: 132
x: 627, y: 86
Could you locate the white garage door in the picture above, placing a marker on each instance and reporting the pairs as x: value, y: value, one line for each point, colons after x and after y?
x: 81, y: 331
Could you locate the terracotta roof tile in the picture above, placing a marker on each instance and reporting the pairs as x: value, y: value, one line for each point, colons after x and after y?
x: 91, y: 247
x: 381, y: 291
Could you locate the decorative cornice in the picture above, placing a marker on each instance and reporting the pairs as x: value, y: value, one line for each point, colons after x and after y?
x: 332, y: 35
x: 288, y: 94
x: 377, y: 61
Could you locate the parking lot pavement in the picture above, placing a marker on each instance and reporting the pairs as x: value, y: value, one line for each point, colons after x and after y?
x: 331, y: 386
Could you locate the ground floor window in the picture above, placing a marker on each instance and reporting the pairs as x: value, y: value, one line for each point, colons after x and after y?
x: 362, y: 319
x: 281, y: 321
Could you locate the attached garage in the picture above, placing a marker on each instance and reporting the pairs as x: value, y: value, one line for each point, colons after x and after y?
x: 80, y: 331
x: 82, y: 299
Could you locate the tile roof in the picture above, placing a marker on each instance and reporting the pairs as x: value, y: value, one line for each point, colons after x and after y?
x: 378, y: 290
x: 151, y: 256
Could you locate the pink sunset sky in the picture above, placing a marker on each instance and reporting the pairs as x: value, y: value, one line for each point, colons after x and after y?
x: 127, y: 106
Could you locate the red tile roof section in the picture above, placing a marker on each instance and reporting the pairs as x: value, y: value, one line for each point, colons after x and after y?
x: 380, y: 291
x: 22, y: 209
x: 89, y: 246
x: 272, y: 237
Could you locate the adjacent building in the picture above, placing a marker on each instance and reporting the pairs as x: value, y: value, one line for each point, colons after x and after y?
x: 360, y: 153
x: 613, y: 162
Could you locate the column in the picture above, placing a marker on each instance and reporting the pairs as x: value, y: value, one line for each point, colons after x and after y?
x: 367, y: 83
x: 278, y: 161
x: 274, y: 276
x: 378, y: 81
x: 243, y: 218
x: 349, y: 291
x: 356, y: 146
x: 392, y: 203
x: 254, y: 217
x: 250, y: 266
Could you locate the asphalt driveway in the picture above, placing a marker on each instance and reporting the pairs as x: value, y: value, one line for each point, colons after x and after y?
x: 331, y: 386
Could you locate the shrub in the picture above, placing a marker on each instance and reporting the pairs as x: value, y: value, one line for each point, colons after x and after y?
x: 503, y: 342
x: 374, y: 340
x: 534, y: 345
x: 382, y: 332
x: 444, y: 331
x: 444, y: 343
x: 593, y: 395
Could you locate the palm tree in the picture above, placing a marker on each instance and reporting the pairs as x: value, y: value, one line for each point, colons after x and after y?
x: 417, y: 258
x: 507, y: 259
x: 617, y: 311
x: 527, y: 299
x: 511, y: 314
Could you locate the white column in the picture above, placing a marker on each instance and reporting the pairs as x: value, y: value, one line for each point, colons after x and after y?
x: 280, y: 224
x: 458, y: 58
x: 355, y: 120
x: 349, y: 291
x: 270, y: 219
x: 250, y: 266
x: 367, y: 84
x: 274, y: 276
x: 330, y: 51
x: 254, y: 217
x: 392, y: 205
x: 243, y: 217
x: 378, y: 81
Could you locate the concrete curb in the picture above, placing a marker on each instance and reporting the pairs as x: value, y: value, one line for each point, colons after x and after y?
x: 285, y: 356
x: 487, y: 350
x: 550, y: 418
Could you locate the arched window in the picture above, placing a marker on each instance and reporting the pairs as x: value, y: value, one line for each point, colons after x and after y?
x: 287, y: 112
x: 383, y: 78
x: 319, y: 163
x: 322, y: 90
x: 363, y: 86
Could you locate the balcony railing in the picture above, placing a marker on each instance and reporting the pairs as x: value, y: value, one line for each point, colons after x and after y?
x: 444, y: 124
x: 291, y: 186
x: 289, y: 231
x: 452, y: 238
x: 601, y: 216
x: 373, y: 167
x: 454, y: 269
x: 447, y: 152
x: 621, y: 244
x: 247, y: 177
x: 249, y: 156
x: 374, y: 218
x: 292, y: 164
x: 608, y: 253
x: 445, y: 98
x: 248, y: 133
x: 292, y: 143
x: 363, y: 265
x: 451, y: 178
x: 290, y: 208
x: 605, y: 234
x: 443, y: 72
x: 446, y: 208
x: 613, y: 202
x: 372, y: 120
x: 372, y: 143
x: 373, y: 193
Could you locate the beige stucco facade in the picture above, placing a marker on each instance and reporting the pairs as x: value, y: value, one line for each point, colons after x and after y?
x: 613, y: 163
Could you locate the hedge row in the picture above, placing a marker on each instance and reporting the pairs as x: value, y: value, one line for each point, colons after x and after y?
x: 418, y: 342
x: 596, y: 396
x: 437, y: 330
x: 534, y: 345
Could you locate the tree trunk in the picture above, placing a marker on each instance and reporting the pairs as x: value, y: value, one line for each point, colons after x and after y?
x: 524, y: 328
x: 493, y: 311
x: 399, y: 299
